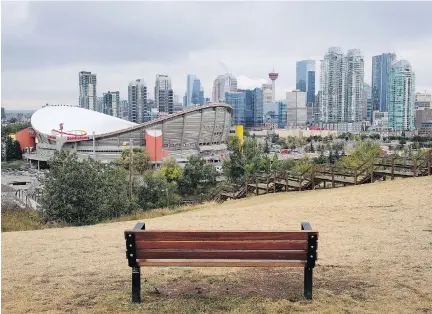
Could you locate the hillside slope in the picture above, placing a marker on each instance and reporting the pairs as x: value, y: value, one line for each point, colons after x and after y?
x: 374, y: 256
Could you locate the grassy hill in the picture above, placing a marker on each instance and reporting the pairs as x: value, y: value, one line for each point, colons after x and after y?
x: 374, y: 257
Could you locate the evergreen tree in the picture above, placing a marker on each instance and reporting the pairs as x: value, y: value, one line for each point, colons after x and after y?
x: 312, y: 149
x: 331, y: 158
x: 9, y: 149
x: 17, y: 152
x: 266, y: 148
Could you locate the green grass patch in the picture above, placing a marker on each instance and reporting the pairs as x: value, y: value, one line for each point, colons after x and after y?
x: 148, y: 214
x: 23, y: 220
x: 16, y: 164
x: 17, y: 219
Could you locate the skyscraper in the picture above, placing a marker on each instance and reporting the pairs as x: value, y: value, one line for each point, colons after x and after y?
x: 296, y: 108
x: 305, y: 79
x: 201, y: 97
x: 282, y: 114
x: 99, y: 104
x: 267, y: 94
x: 254, y: 113
x: 111, y: 104
x: 381, y: 66
x: 401, y: 97
x: 223, y: 84
x: 332, y: 85
x: 354, y: 84
x: 164, y: 96
x: 87, y: 90
x: 193, y: 90
x: 367, y: 102
x: 423, y: 100
x: 139, y: 110
x: 238, y: 102
x: 124, y: 108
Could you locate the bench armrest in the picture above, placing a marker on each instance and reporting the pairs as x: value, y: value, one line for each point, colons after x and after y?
x: 139, y: 226
x: 306, y: 226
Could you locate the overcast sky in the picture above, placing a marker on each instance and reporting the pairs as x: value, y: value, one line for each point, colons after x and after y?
x: 46, y: 44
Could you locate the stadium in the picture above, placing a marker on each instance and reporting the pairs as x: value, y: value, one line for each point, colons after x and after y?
x: 202, y: 130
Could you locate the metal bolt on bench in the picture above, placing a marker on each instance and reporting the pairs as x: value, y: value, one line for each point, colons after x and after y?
x: 220, y: 249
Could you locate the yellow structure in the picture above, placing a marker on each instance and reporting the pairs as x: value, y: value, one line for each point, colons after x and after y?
x: 239, y: 132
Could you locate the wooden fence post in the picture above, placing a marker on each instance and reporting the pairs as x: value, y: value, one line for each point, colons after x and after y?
x: 392, y: 168
x: 313, y: 178
x: 430, y: 162
x: 333, y: 182
x: 355, y: 176
x: 300, y: 181
x: 267, y: 189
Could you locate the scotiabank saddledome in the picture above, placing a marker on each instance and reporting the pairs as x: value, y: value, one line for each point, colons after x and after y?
x: 203, y: 130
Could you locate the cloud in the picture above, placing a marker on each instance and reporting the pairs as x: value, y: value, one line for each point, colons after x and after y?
x: 244, y: 82
x: 46, y: 44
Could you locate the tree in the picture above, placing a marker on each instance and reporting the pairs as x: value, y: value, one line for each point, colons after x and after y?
x: 234, y: 165
x: 154, y: 191
x: 171, y: 170
x: 363, y: 152
x: 266, y: 148
x: 283, y: 165
x: 141, y: 160
x: 13, y: 128
x: 302, y: 165
x: 320, y: 160
x: 331, y: 158
x: 198, y: 177
x: 9, y: 149
x: 83, y: 192
x: 16, y: 148
x: 311, y: 149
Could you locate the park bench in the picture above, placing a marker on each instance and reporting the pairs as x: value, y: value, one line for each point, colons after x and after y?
x: 152, y: 248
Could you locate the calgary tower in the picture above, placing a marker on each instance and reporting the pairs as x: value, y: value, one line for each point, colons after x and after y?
x: 273, y: 76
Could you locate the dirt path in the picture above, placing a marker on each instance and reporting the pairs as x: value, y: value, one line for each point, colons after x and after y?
x: 374, y: 257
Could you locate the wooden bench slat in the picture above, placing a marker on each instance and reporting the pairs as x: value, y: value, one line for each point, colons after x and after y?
x: 224, y: 245
x: 218, y: 263
x: 219, y: 235
x: 233, y: 254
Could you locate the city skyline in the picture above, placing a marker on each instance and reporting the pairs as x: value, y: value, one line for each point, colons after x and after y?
x: 40, y: 63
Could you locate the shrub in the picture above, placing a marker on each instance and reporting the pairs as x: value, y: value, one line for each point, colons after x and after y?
x: 83, y: 192
x: 154, y: 191
x: 198, y: 177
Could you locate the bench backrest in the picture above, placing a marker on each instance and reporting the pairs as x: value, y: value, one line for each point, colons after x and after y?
x: 213, y: 248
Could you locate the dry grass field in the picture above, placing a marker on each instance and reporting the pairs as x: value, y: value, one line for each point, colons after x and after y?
x: 375, y: 256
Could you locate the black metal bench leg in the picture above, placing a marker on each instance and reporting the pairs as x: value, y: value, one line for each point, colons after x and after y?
x: 136, y: 285
x: 308, y: 282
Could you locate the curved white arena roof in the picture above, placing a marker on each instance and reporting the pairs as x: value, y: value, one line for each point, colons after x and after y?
x: 76, y: 120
